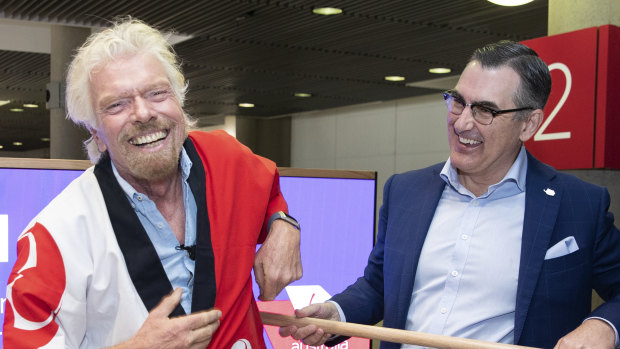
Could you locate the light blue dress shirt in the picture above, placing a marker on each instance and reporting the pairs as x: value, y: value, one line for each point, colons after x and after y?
x: 467, y: 275
x: 466, y: 281
x: 177, y: 264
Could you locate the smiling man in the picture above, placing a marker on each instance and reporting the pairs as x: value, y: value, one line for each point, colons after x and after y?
x: 492, y: 244
x: 154, y: 245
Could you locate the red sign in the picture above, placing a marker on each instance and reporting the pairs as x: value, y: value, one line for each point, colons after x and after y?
x: 565, y: 139
x: 607, y: 145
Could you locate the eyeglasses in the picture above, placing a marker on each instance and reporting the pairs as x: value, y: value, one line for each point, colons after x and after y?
x: 481, y: 114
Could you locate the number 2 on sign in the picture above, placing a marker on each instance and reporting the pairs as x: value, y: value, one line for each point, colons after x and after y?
x: 540, y: 135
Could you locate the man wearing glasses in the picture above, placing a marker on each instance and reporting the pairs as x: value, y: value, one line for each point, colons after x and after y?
x: 492, y: 244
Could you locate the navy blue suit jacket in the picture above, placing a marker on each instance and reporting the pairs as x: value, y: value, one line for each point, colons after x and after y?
x: 553, y: 296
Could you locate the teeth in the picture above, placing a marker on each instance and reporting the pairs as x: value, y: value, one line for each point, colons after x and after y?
x: 153, y: 137
x: 468, y: 141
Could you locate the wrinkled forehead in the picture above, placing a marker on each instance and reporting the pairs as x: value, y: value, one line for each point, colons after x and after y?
x: 113, y: 61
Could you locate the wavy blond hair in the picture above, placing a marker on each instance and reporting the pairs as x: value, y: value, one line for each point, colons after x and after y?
x: 127, y: 36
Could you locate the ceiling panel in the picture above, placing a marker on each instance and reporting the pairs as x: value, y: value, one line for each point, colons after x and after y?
x: 263, y: 51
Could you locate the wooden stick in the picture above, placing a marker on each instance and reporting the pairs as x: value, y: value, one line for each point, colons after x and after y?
x: 384, y: 333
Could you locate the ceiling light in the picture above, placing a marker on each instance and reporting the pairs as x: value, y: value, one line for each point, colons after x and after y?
x: 327, y: 11
x: 29, y: 105
x: 394, y: 78
x: 1, y: 146
x: 4, y: 102
x: 18, y: 143
x: 17, y: 110
x: 510, y: 2
x: 45, y: 139
x: 246, y: 105
x: 440, y: 70
x: 303, y: 94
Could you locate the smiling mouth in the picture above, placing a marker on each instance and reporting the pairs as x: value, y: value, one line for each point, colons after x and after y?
x: 150, y: 139
x: 468, y: 141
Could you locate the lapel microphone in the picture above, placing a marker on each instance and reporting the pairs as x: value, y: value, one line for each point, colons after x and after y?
x: 191, y: 250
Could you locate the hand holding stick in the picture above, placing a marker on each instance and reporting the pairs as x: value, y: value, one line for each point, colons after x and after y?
x: 384, y: 333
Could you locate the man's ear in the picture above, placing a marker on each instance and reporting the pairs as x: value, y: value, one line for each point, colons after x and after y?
x: 531, y: 125
x: 100, y: 144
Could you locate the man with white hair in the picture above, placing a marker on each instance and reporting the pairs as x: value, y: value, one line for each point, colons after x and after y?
x: 153, y: 246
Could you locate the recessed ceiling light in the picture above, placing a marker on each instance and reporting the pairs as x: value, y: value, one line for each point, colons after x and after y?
x: 440, y: 70
x: 303, y: 94
x: 45, y: 139
x: 327, y: 11
x: 17, y: 110
x: 510, y: 2
x: 4, y: 102
x: 18, y: 143
x: 394, y: 78
x: 30, y: 105
x: 246, y: 105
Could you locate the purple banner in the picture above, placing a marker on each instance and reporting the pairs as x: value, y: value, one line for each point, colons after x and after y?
x: 336, y: 216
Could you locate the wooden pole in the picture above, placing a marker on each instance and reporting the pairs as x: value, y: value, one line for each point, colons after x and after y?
x: 384, y: 333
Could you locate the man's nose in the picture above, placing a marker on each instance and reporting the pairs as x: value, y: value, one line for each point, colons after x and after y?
x: 141, y: 109
x: 466, y: 120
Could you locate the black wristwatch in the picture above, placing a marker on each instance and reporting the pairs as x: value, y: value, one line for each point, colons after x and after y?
x: 285, y: 217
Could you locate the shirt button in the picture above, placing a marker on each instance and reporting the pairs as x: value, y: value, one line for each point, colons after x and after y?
x: 475, y: 202
x: 160, y: 225
x: 454, y: 273
x: 444, y: 310
x: 139, y: 197
x: 464, y: 237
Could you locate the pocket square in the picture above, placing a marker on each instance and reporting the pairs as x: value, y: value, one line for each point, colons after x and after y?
x: 562, y: 248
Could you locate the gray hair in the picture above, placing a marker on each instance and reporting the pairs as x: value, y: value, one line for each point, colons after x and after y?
x: 535, y: 86
x: 127, y: 36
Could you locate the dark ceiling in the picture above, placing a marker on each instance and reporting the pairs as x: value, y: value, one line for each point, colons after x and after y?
x: 264, y: 51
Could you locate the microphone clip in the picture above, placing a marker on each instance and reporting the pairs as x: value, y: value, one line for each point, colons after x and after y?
x: 191, y: 250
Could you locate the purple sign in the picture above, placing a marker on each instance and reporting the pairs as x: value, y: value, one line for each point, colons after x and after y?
x: 336, y: 216
x: 23, y: 193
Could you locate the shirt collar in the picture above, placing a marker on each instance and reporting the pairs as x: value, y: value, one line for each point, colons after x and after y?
x: 516, y: 174
x: 186, y: 165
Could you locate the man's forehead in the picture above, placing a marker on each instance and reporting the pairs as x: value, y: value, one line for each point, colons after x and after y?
x: 478, y: 80
x: 144, y: 60
x: 154, y: 76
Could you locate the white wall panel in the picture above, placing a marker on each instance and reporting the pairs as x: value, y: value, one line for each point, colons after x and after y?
x: 365, y: 131
x: 313, y: 137
x: 388, y: 137
x: 421, y: 129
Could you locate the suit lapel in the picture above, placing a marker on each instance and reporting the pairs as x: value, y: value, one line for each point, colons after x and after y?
x: 423, y: 204
x: 542, y: 203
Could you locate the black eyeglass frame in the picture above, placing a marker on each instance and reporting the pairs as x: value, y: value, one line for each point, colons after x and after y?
x: 494, y: 113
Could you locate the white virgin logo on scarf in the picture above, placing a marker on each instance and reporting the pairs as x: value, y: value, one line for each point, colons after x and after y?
x: 242, y: 344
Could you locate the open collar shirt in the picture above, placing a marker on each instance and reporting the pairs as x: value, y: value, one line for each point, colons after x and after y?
x: 176, y: 262
x: 466, y: 280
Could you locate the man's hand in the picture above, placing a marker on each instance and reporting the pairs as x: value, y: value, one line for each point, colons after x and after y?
x: 189, y: 331
x: 592, y: 333
x: 311, y: 334
x: 278, y: 262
